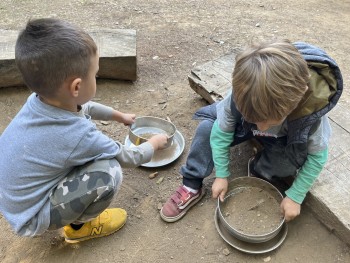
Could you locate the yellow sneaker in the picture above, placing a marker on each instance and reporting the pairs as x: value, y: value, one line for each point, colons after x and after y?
x: 108, y: 222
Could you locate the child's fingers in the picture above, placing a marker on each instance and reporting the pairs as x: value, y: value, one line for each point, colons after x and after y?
x: 283, y: 212
x: 222, y: 196
x: 214, y: 194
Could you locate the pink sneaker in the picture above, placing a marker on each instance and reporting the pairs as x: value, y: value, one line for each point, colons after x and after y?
x: 179, y: 203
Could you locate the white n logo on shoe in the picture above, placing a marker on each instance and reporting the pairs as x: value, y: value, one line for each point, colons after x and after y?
x: 96, y: 231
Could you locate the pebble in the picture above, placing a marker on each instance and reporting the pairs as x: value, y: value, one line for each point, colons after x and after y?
x: 159, y: 206
x: 226, y: 251
x: 267, y: 259
x: 152, y: 175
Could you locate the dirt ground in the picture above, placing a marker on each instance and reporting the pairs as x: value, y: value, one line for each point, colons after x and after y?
x: 173, y: 37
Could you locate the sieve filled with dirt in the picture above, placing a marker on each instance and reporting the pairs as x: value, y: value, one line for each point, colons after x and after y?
x: 145, y: 127
x: 251, y: 210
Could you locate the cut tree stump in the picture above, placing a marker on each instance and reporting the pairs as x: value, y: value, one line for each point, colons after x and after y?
x: 329, y: 196
x: 116, y: 47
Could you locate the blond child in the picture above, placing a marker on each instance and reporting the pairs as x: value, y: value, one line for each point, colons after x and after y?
x: 281, y: 93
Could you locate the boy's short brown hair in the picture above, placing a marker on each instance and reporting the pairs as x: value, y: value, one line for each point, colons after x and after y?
x: 269, y: 80
x: 48, y: 51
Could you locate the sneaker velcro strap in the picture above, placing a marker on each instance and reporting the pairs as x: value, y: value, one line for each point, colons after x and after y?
x: 182, y: 196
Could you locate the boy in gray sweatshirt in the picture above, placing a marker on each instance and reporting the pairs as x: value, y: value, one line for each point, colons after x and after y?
x: 57, y: 170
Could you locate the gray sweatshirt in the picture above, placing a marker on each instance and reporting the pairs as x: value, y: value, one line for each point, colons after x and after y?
x: 40, y: 146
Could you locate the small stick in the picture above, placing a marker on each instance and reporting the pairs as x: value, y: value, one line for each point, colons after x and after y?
x: 257, y: 205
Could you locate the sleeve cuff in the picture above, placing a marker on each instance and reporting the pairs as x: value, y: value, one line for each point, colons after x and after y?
x: 295, y: 196
x: 148, y: 151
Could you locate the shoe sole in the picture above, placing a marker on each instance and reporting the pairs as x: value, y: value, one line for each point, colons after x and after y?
x: 179, y: 216
x: 72, y: 241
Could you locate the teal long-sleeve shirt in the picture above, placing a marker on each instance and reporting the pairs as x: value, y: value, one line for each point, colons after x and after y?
x: 220, y: 142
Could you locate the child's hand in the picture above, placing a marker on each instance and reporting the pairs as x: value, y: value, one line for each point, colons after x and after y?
x: 158, y: 141
x: 127, y: 118
x: 289, y: 209
x: 219, y: 188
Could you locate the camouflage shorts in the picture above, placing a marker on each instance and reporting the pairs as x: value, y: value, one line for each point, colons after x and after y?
x: 84, y: 193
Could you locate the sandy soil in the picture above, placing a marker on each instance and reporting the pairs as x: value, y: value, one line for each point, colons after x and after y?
x: 172, y: 37
x: 252, y: 211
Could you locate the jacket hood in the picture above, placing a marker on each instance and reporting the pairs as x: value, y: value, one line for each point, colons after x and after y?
x: 325, y: 85
x: 325, y: 89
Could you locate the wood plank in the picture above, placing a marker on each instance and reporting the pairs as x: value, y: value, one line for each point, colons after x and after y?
x: 212, y: 80
x: 117, y: 50
x: 329, y: 196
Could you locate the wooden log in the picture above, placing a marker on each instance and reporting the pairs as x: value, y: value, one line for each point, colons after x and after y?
x: 329, y: 197
x: 9, y: 73
x: 117, y: 50
x: 116, y: 47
